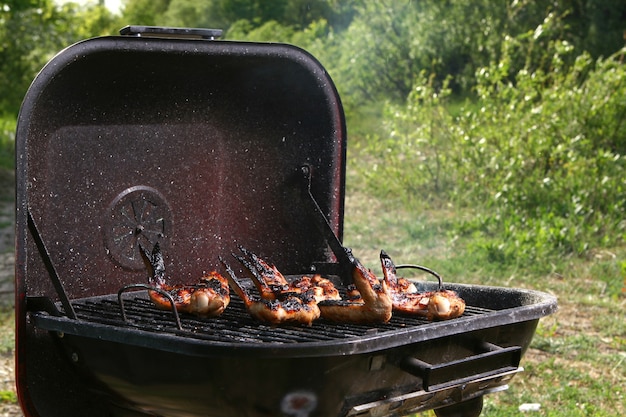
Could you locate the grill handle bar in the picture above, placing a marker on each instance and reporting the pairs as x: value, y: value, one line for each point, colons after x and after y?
x: 423, y: 268
x: 491, y: 360
x: 170, y: 32
x: 47, y: 260
x: 166, y: 294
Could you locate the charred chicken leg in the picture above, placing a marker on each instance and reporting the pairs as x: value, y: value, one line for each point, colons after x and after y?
x: 440, y: 305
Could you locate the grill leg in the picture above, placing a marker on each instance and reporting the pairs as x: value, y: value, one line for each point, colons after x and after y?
x: 469, y: 408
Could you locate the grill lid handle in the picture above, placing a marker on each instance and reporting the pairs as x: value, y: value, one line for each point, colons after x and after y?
x: 170, y: 32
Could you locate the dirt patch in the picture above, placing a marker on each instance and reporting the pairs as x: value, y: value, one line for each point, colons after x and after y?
x: 7, y: 211
x: 7, y: 285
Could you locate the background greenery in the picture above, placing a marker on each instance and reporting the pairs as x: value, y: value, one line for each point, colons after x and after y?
x: 487, y: 140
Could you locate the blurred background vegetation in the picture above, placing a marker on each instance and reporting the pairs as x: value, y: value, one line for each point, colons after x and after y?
x: 509, y: 112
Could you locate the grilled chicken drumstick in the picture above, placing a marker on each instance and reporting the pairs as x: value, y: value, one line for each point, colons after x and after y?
x: 441, y: 304
x: 368, y: 301
x: 208, y: 298
x: 444, y: 305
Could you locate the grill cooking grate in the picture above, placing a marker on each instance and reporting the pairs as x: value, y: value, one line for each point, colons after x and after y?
x: 234, y: 325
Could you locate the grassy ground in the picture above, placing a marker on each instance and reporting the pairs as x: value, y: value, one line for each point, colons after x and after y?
x: 576, y: 365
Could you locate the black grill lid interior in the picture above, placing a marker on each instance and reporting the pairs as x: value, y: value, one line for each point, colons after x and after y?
x: 196, y: 144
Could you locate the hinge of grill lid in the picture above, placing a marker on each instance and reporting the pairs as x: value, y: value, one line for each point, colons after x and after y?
x: 170, y: 32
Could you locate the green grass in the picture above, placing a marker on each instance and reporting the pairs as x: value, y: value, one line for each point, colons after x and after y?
x: 7, y: 313
x: 8, y: 397
x: 576, y: 365
x: 7, y: 330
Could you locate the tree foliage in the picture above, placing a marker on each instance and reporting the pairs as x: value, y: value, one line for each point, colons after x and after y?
x: 538, y: 160
x: 145, y: 12
x: 374, y: 49
x: 31, y: 32
x: 388, y: 42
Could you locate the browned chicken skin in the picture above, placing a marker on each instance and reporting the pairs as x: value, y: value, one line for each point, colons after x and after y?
x: 292, y: 308
x: 440, y: 305
x: 321, y: 288
x: 368, y: 301
x: 208, y: 298
x: 273, y: 282
x: 444, y: 305
x: 276, y: 303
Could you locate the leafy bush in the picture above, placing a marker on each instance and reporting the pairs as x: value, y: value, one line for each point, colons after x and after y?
x: 7, y: 142
x: 538, y: 161
x: 8, y: 397
x: 556, y: 166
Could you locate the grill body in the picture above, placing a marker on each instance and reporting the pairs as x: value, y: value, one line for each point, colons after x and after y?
x: 236, y: 366
x: 200, y: 145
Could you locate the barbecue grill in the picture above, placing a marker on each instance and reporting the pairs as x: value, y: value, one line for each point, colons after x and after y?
x: 169, y: 136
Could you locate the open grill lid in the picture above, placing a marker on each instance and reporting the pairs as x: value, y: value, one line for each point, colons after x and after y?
x: 196, y: 144
x: 170, y: 137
